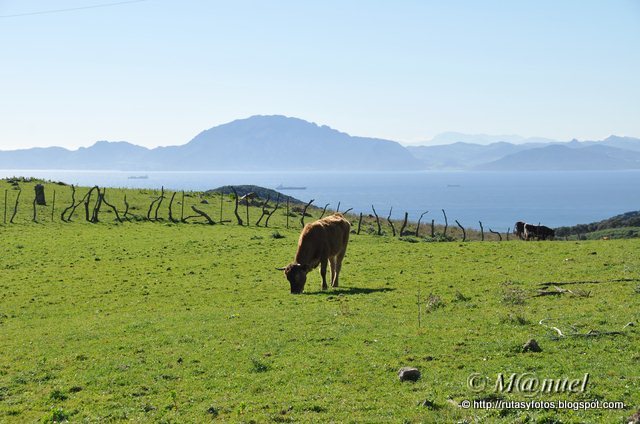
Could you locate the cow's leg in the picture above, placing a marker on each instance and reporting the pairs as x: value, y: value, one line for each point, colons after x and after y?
x: 332, y: 263
x: 323, y: 273
x: 338, y: 260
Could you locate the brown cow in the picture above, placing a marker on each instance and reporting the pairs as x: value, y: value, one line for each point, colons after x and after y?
x: 321, y: 242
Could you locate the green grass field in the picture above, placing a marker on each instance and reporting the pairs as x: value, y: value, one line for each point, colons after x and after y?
x: 164, y: 322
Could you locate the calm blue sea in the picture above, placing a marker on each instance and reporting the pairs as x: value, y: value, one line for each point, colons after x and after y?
x: 498, y: 199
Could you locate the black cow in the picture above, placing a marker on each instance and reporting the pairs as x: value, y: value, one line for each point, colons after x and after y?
x: 530, y: 231
x: 518, y: 229
x: 545, y: 233
x: 539, y: 232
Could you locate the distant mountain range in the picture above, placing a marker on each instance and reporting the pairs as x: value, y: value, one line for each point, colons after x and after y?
x: 612, y: 153
x: 281, y: 143
x: 456, y: 137
x: 252, y: 144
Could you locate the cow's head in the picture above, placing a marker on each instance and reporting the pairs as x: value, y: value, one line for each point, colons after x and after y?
x: 297, y: 276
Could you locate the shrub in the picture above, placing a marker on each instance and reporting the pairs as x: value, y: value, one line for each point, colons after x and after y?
x: 57, y: 415
x: 58, y: 395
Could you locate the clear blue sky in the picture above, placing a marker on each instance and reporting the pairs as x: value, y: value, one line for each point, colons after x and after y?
x: 157, y: 72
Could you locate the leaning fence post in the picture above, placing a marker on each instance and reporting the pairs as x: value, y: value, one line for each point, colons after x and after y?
x: 404, y: 223
x: 393, y: 229
x: 181, y: 208
x: 171, y: 218
x: 418, y: 226
x: 377, y: 220
x: 304, y: 212
x: 246, y: 200
x: 464, y: 233
x: 324, y: 210
x: 359, y: 223
x: 235, y: 211
x: 15, y: 208
x: 481, y: 231
x: 446, y: 223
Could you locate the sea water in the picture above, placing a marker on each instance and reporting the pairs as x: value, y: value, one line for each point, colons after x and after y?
x: 498, y: 199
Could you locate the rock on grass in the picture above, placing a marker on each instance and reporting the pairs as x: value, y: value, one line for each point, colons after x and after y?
x: 408, y: 374
x: 531, y: 346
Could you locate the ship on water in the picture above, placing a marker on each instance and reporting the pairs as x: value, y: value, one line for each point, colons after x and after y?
x: 281, y: 187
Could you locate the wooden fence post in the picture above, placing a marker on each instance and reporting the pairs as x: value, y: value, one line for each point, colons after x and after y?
x: 324, y: 210
x: 496, y: 232
x: 377, y: 220
x: 171, y: 208
x: 418, y: 226
x: 446, y: 223
x: 464, y: 233
x: 236, y: 209
x: 15, y: 208
x: 393, y: 229
x: 182, y: 208
x: 53, y: 205
x: 246, y: 200
x: 404, y: 223
x: 304, y: 211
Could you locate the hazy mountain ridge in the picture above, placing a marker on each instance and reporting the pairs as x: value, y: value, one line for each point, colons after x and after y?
x: 450, y: 137
x: 612, y: 153
x: 557, y: 157
x: 270, y: 143
x: 252, y: 144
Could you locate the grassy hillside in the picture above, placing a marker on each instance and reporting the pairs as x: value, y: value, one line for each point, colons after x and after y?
x: 164, y: 322
x: 626, y: 225
x: 220, y: 208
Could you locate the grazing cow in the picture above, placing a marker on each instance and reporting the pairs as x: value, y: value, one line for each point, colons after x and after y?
x: 530, y: 231
x: 518, y: 229
x: 321, y: 242
x: 539, y: 232
x: 545, y: 233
